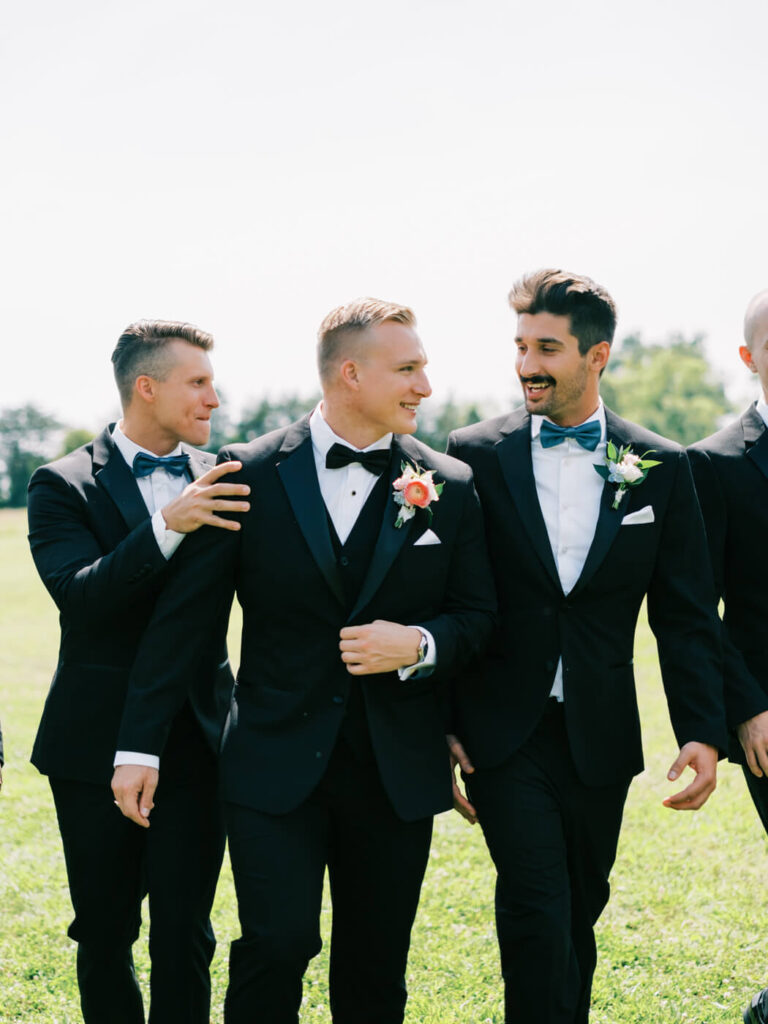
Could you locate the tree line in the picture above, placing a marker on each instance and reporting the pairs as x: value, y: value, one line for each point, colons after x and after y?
x: 667, y: 386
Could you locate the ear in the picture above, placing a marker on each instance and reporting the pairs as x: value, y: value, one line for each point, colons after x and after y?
x: 746, y: 358
x: 598, y: 356
x: 144, y: 388
x: 349, y: 372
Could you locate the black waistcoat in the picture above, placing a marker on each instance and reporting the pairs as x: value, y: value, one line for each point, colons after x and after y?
x: 352, y: 559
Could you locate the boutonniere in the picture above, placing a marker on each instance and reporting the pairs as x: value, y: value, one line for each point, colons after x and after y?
x: 624, y: 468
x: 413, y: 489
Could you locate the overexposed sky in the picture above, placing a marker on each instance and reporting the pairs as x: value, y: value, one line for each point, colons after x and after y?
x: 248, y: 165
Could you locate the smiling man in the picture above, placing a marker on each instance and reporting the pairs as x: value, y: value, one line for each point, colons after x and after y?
x: 548, y: 732
x: 105, y: 523
x: 335, y: 755
x: 731, y: 473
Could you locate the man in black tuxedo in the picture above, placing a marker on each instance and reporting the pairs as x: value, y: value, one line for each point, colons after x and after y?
x: 104, y: 524
x: 549, y: 719
x: 731, y: 473
x: 335, y: 754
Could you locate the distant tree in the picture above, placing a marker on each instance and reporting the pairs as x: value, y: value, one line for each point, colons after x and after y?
x: 268, y: 415
x: 669, y: 387
x: 27, y: 439
x: 437, y: 421
x: 75, y: 438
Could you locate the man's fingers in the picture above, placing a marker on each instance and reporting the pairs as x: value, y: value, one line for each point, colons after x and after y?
x: 752, y: 760
x: 216, y: 472
x: 762, y: 758
x: 690, y: 798
x: 677, y: 766
x: 463, y: 806
x: 134, y: 789
x: 459, y: 754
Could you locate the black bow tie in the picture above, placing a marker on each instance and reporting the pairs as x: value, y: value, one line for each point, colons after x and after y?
x: 375, y: 462
x: 144, y: 464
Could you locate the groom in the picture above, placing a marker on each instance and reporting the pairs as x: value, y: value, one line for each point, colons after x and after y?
x: 364, y: 582
x: 549, y: 719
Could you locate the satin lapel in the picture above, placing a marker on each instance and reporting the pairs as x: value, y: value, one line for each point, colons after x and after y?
x: 111, y: 472
x: 391, y: 539
x: 756, y: 439
x: 299, y: 477
x: 197, y: 463
x: 608, y: 519
x: 514, y: 452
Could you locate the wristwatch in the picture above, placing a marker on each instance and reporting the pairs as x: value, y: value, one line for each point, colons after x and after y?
x: 423, y: 648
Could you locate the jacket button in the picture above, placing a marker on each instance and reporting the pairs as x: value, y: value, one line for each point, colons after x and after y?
x: 344, y: 561
x: 337, y: 700
x: 318, y: 753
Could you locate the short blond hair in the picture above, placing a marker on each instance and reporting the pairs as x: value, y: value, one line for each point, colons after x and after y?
x: 144, y: 348
x: 354, y: 318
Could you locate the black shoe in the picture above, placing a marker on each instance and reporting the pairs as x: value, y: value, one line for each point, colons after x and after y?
x: 757, y: 1011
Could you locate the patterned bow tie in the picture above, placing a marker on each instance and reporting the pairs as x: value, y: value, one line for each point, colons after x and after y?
x: 375, y: 462
x: 145, y: 464
x: 587, y: 434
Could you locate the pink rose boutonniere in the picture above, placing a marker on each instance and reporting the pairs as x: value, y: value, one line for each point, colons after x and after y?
x: 414, y: 489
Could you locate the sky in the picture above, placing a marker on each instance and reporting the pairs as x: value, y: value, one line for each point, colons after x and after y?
x: 247, y: 166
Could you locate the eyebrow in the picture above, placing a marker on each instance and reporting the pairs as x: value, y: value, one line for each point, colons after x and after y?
x: 543, y: 341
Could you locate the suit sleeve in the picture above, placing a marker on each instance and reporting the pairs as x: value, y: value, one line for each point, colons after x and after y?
x: 683, y: 616
x: 88, y: 585
x: 744, y: 696
x: 467, y: 618
x: 181, y: 641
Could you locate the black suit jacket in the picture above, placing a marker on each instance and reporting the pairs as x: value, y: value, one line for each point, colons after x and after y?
x: 731, y: 473
x: 292, y: 687
x: 593, y: 627
x: 92, y: 543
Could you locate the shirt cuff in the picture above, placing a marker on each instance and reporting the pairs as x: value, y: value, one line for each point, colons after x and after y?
x: 422, y: 668
x: 167, y: 540
x: 131, y: 757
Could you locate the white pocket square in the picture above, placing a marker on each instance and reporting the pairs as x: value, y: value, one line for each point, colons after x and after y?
x: 428, y: 537
x: 642, y: 515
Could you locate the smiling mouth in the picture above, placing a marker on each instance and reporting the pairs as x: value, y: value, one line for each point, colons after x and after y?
x: 537, y: 386
x: 410, y: 406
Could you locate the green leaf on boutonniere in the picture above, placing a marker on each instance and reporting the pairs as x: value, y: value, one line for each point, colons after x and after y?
x: 611, y: 451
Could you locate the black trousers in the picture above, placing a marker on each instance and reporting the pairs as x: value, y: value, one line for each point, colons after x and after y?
x: 113, y: 863
x: 758, y: 790
x: 553, y: 841
x: 376, y: 864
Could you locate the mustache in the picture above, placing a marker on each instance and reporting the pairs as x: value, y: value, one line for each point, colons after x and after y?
x: 537, y: 378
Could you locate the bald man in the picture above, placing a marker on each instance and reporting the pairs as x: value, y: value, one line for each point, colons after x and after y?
x: 731, y: 473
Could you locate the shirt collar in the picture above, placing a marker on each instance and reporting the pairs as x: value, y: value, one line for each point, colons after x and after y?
x: 762, y: 409
x: 598, y: 414
x: 129, y: 449
x: 323, y: 438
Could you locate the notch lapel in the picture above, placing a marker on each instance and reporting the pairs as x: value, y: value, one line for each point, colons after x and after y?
x: 112, y: 472
x: 298, y: 474
x: 391, y: 538
x: 755, y: 439
x: 197, y: 463
x: 514, y: 452
x: 608, y: 519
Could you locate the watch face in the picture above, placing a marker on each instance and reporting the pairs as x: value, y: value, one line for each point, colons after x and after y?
x: 422, y: 648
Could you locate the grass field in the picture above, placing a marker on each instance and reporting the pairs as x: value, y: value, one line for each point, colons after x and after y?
x: 684, y: 938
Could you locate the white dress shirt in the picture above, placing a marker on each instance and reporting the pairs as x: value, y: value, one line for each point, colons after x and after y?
x: 344, y: 492
x: 157, y: 489
x: 569, y: 492
x: 762, y: 409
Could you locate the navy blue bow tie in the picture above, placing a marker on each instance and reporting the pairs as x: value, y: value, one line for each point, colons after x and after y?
x: 587, y: 434
x: 144, y: 465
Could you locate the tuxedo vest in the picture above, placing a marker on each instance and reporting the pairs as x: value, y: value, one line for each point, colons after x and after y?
x: 352, y: 560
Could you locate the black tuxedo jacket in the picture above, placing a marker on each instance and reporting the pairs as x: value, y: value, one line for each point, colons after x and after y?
x: 93, y: 545
x: 593, y: 627
x: 292, y: 687
x: 731, y: 473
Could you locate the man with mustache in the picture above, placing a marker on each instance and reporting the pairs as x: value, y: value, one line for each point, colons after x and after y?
x: 731, y: 473
x: 364, y: 582
x: 547, y: 726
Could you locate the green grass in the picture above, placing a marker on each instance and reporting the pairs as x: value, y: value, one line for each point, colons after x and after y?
x: 683, y: 938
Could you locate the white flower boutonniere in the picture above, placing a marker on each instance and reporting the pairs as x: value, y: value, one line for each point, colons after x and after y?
x: 624, y: 468
x: 414, y: 489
